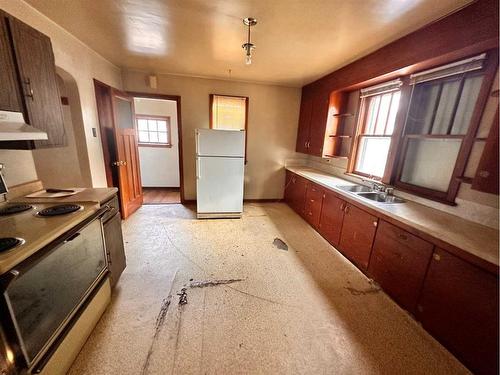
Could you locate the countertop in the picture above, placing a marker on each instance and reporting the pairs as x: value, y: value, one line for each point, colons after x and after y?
x: 478, y: 240
x: 97, y: 195
x: 37, y: 231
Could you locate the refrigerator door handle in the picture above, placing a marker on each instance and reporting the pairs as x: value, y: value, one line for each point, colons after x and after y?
x: 198, y: 169
x: 197, y: 142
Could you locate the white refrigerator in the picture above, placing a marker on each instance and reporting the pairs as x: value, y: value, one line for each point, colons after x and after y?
x: 220, y: 169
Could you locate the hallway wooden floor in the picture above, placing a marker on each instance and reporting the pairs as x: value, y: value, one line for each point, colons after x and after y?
x: 161, y: 195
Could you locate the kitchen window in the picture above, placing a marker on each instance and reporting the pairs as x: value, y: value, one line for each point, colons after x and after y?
x: 228, y: 112
x: 378, y: 110
x: 441, y: 109
x: 154, y: 130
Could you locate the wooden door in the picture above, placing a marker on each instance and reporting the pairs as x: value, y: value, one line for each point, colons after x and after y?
x: 459, y: 307
x: 356, y: 239
x: 398, y: 263
x: 319, y: 120
x: 313, y: 203
x: 127, y: 153
x: 10, y: 99
x: 37, y: 73
x: 304, y: 125
x: 332, y: 216
x: 114, y: 247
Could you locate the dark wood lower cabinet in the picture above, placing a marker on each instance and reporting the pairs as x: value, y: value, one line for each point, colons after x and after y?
x: 332, y: 216
x: 356, y: 239
x: 459, y: 306
x: 313, y: 204
x: 456, y: 302
x: 113, y: 238
x: 398, y: 263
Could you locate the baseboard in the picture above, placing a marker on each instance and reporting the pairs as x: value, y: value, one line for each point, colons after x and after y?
x: 267, y: 200
x: 161, y: 187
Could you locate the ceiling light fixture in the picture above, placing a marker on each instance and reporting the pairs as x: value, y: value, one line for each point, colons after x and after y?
x: 249, y: 46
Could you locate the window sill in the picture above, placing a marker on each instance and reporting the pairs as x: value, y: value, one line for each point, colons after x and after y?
x: 159, y: 145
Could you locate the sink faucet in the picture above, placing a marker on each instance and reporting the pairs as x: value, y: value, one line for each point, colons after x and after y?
x: 376, y: 186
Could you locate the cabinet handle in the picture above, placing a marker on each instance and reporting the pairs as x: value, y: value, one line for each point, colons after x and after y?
x: 342, y: 206
x: 305, y: 144
x: 436, y: 257
x: 27, y: 82
x: 346, y: 209
x: 375, y: 223
x: 310, y: 213
x: 312, y: 200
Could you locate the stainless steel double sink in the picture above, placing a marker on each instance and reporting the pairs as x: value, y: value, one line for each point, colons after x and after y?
x: 369, y: 194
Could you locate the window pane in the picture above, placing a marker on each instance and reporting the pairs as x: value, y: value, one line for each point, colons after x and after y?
x: 372, y: 155
x: 142, y: 124
x: 393, y: 112
x: 153, y: 137
x: 430, y: 162
x: 143, y: 137
x: 162, y: 137
x: 228, y: 112
x: 152, y: 125
x: 422, y: 106
x: 383, y: 113
x: 468, y: 100
x: 162, y: 126
x: 371, y: 118
x: 449, y: 95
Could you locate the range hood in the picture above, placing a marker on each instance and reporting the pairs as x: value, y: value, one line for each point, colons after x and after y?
x: 13, y: 128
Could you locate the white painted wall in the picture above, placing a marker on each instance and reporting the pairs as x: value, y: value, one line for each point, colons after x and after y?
x: 159, y: 165
x: 272, y: 126
x: 83, y: 64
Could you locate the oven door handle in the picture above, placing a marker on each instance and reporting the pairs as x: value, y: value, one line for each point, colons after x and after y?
x: 7, y: 278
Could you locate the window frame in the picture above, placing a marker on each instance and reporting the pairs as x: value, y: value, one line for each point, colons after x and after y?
x: 399, y: 141
x: 167, y: 119
x: 361, y: 123
x: 210, y: 114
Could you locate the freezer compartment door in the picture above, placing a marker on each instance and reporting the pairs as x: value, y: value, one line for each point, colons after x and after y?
x: 212, y: 142
x: 219, y: 184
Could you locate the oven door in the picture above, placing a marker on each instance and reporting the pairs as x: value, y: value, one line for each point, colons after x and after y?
x: 48, y: 289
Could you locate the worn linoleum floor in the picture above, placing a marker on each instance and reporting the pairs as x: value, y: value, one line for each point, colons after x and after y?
x: 306, y: 310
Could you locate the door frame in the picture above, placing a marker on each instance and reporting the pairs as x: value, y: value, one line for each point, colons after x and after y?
x: 177, y: 99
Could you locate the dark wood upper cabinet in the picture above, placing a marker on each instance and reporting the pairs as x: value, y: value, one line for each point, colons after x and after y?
x: 398, y: 263
x: 313, y: 203
x: 332, y: 216
x: 9, y: 90
x: 356, y: 239
x: 486, y: 178
x: 312, y: 124
x: 304, y: 124
x: 29, y: 83
x: 459, y: 306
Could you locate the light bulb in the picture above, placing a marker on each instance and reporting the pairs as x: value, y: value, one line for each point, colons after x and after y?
x: 248, y: 59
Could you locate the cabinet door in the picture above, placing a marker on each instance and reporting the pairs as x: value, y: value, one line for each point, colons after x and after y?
x: 459, y: 306
x: 313, y: 202
x: 398, y: 263
x: 114, y: 247
x: 295, y: 192
x: 332, y: 216
x: 9, y: 89
x: 304, y: 124
x: 35, y: 62
x: 356, y: 239
x: 486, y: 178
x: 319, y: 119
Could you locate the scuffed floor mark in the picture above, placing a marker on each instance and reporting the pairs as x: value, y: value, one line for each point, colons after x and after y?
x: 183, y: 297
x: 280, y: 244
x: 363, y: 292
x: 160, y: 320
x: 210, y: 283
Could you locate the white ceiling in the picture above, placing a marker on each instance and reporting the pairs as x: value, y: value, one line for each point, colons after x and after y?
x: 297, y: 41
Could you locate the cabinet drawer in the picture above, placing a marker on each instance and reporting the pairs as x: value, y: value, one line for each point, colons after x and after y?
x: 114, y: 206
x: 314, y: 199
x: 398, y: 263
